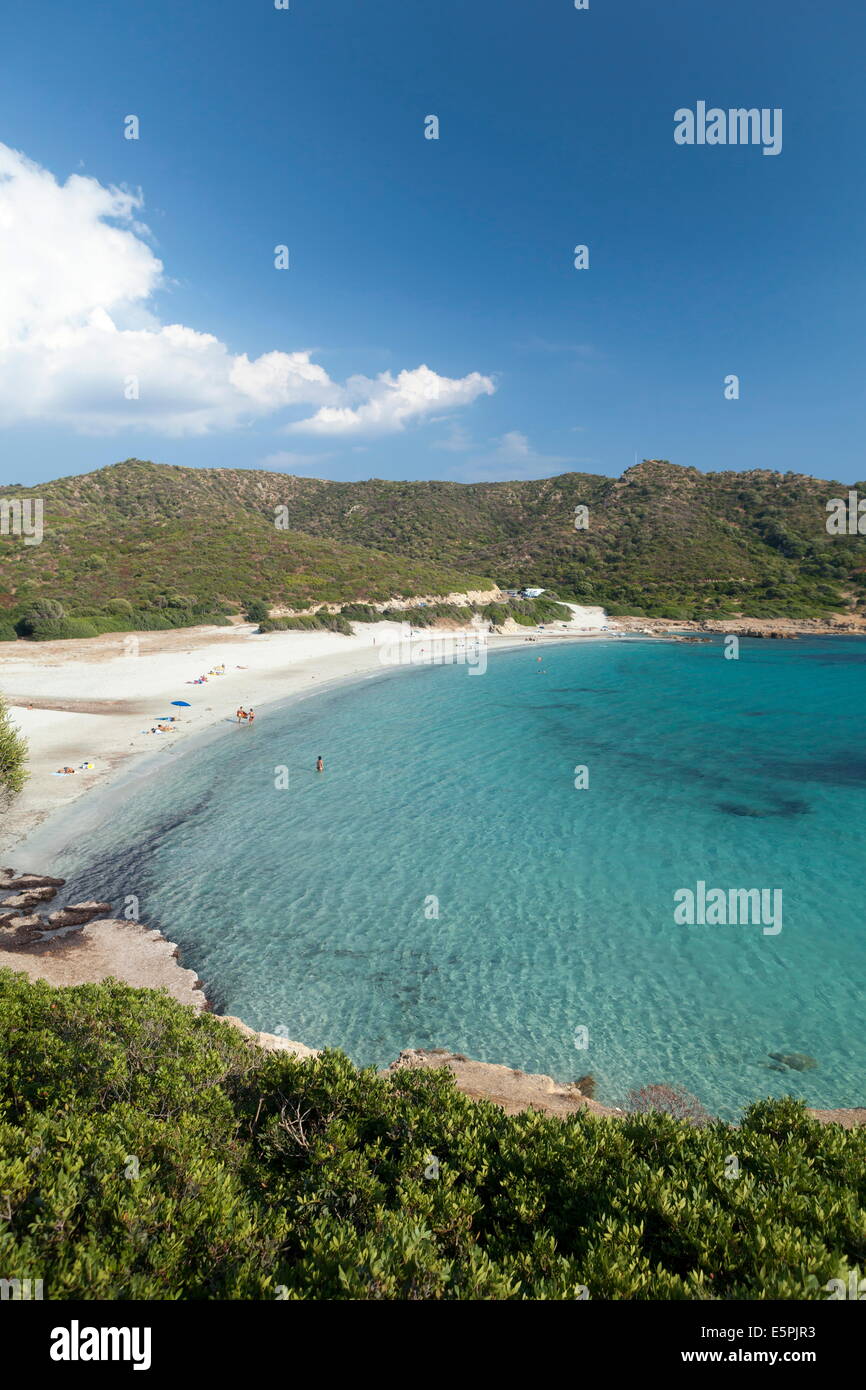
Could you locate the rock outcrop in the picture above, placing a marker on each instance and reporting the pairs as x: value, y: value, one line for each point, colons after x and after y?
x: 8, y: 879
x: 77, y: 914
x: 271, y: 1042
x: 109, y: 948
x: 33, y: 897
x: 848, y: 1119
x: 511, y: 1089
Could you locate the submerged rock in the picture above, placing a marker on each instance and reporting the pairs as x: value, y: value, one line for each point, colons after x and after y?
x: 792, y: 1061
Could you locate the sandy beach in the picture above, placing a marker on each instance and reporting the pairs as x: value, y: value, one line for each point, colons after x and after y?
x: 96, y: 701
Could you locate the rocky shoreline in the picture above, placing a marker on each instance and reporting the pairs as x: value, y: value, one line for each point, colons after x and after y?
x: 773, y: 629
x: 78, y: 944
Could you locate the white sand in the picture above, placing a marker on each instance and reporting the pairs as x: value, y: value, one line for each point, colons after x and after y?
x: 103, y: 699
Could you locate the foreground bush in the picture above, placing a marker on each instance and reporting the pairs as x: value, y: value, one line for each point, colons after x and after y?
x: 146, y: 1152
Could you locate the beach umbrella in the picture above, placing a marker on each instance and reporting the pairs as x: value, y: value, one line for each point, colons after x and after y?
x: 186, y: 704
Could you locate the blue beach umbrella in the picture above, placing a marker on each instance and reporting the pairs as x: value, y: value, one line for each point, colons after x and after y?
x: 186, y: 704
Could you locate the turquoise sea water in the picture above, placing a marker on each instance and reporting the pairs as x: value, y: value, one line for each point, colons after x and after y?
x: 310, y: 909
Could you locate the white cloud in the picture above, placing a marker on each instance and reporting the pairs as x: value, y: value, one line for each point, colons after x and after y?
x: 282, y: 378
x: 391, y: 402
x: 77, y: 322
x: 512, y: 456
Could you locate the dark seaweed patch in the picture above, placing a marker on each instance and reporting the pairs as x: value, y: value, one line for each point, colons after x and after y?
x: 784, y: 807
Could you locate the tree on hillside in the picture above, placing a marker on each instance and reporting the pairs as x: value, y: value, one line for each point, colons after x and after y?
x: 257, y: 611
x: 42, y: 610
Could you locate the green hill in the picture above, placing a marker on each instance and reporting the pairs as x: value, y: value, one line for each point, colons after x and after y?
x: 139, y: 531
x: 662, y: 540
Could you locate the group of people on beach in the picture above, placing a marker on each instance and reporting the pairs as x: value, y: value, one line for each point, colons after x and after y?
x: 215, y: 671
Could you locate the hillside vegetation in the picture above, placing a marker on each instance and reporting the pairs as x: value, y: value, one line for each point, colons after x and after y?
x: 148, y: 1152
x: 661, y: 541
x: 183, y: 545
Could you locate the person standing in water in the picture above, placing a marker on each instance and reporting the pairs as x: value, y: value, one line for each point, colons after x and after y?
x: 251, y: 714
x: 320, y: 766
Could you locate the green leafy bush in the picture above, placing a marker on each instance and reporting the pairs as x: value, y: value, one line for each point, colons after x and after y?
x: 62, y: 629
x: 119, y: 616
x: 44, y: 610
x: 308, y: 622
x: 149, y: 1152
x: 360, y: 613
x: 13, y: 756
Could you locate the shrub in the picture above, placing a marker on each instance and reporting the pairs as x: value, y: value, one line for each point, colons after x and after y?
x: 257, y: 611
x: 308, y: 622
x: 255, y: 1170
x: 63, y: 629
x: 668, y: 1100
x: 360, y: 613
x: 174, y: 601
x: 42, y: 610
x: 13, y: 756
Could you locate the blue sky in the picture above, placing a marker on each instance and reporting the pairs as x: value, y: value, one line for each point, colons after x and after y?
x: 305, y: 127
